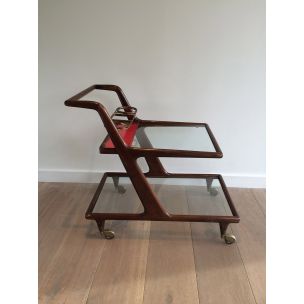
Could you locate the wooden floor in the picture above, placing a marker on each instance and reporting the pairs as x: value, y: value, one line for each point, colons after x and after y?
x: 148, y: 262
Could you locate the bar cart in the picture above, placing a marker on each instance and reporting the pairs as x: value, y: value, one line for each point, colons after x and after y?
x: 132, y: 138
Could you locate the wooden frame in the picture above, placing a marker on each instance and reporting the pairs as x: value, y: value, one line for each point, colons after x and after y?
x: 153, y: 209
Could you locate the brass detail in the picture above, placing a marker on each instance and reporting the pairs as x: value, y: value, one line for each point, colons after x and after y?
x: 108, y: 234
x: 229, y: 238
x: 124, y: 116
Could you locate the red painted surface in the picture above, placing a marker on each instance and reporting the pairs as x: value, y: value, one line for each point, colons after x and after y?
x: 127, y: 134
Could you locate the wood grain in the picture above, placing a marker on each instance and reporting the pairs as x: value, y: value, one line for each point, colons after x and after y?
x: 170, y: 276
x: 69, y: 266
x: 120, y: 276
x: 260, y: 196
x: 221, y: 274
x: 156, y: 262
x: 54, y: 218
x: 250, y: 233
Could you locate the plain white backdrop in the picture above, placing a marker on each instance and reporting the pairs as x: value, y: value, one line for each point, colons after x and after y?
x: 183, y: 60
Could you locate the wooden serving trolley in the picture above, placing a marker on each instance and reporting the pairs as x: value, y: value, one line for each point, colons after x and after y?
x: 132, y: 138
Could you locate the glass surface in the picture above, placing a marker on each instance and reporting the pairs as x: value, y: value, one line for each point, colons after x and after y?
x: 177, y: 195
x: 113, y: 200
x: 178, y: 138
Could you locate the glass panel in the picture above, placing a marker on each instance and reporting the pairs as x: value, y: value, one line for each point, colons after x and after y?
x: 123, y: 199
x: 192, y: 196
x: 180, y: 138
x: 177, y: 195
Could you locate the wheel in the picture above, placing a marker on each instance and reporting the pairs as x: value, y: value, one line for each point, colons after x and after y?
x: 121, y: 189
x: 108, y: 234
x: 229, y: 238
x: 213, y: 191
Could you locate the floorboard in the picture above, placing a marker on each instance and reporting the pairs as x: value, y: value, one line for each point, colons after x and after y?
x: 149, y: 262
x: 250, y: 233
x: 170, y: 276
x: 221, y: 275
x: 260, y: 196
x: 67, y: 267
x: 120, y: 276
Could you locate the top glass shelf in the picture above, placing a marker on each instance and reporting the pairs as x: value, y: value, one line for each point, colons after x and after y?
x: 167, y: 139
x: 195, y: 138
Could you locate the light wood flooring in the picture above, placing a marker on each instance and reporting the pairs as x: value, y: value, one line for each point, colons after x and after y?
x: 148, y: 262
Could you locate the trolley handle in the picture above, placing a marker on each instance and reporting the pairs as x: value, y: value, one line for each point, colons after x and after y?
x: 108, y: 122
x: 75, y: 102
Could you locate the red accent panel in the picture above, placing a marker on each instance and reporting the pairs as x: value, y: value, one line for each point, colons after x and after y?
x: 127, y: 134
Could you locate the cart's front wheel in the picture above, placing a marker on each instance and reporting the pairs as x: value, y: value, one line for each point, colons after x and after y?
x: 229, y: 238
x: 108, y: 234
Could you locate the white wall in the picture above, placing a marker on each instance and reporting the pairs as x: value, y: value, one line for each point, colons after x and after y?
x: 176, y: 60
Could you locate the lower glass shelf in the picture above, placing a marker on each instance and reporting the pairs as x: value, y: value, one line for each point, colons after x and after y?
x: 184, y: 196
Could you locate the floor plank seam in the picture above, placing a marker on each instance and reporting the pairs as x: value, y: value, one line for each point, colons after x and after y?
x: 60, y: 281
x: 198, y: 296
x: 55, y: 256
x: 239, y: 251
x: 193, y: 251
x: 143, y: 298
x: 257, y: 202
x: 109, y: 224
x: 245, y: 270
x: 93, y: 277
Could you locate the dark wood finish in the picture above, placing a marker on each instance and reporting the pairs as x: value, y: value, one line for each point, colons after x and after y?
x: 223, y: 228
x: 153, y: 208
x: 100, y: 225
x: 155, y: 165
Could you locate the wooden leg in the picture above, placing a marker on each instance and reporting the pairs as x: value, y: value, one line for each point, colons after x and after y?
x: 211, y: 190
x: 118, y: 187
x: 223, y: 228
x: 108, y: 234
x: 100, y: 225
x: 154, y: 164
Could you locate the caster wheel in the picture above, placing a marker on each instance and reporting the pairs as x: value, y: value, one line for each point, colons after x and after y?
x: 121, y: 189
x: 108, y: 234
x: 213, y: 191
x: 229, y: 238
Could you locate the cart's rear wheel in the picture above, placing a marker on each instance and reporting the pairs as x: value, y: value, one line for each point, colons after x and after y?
x: 229, y: 238
x: 108, y: 234
x: 121, y: 189
x: 213, y: 191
